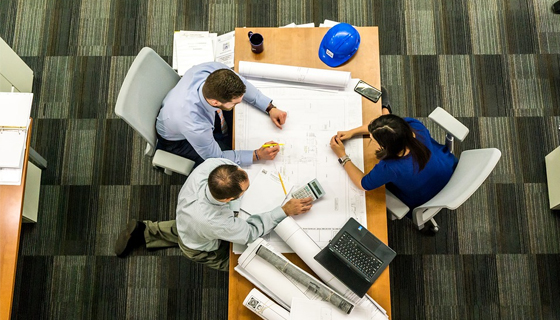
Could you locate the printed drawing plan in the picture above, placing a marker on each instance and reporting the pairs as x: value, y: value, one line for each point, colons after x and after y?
x: 314, y: 116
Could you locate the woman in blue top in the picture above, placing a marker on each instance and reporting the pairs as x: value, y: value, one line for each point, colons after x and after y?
x: 412, y: 165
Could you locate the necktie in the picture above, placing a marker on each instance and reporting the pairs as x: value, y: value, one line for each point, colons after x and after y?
x: 223, y: 122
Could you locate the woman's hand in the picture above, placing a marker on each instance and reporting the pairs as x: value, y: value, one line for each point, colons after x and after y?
x: 337, y: 146
x: 344, y: 135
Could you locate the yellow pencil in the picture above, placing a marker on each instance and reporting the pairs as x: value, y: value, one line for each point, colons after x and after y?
x: 282, y: 182
x: 271, y: 145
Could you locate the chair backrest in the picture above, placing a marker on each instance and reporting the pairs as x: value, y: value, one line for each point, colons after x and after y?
x: 473, y: 168
x: 146, y: 84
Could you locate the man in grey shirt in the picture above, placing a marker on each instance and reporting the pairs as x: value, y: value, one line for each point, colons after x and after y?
x: 206, y: 222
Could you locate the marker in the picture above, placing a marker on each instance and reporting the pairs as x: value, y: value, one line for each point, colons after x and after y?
x: 282, y: 182
x: 271, y: 145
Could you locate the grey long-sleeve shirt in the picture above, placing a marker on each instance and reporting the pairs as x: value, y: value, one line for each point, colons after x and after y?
x: 202, y: 221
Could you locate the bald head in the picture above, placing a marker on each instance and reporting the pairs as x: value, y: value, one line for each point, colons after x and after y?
x: 227, y: 181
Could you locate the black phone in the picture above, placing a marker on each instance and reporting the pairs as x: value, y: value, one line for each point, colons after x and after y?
x: 368, y: 91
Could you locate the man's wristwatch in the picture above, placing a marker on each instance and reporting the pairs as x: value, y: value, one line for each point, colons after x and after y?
x: 270, y: 107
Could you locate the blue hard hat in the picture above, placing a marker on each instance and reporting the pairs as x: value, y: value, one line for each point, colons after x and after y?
x: 339, y: 44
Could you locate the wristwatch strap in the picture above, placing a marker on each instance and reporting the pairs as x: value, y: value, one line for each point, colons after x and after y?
x: 270, y: 107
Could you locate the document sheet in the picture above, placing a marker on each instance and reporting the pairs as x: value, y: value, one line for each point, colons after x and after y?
x: 195, y: 47
x: 314, y: 116
x: 265, y: 308
x: 265, y: 193
x: 15, y: 110
x: 303, y: 309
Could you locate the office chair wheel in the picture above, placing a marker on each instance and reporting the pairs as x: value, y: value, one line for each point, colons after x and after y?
x: 433, y: 226
x: 430, y: 228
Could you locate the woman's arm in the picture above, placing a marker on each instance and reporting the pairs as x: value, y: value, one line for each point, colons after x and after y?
x: 345, y: 135
x: 353, y: 172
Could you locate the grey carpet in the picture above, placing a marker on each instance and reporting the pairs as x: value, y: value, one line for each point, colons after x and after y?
x: 494, y: 64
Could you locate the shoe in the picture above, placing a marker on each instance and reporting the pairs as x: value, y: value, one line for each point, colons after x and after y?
x: 385, y: 100
x: 132, y: 236
x: 556, y: 7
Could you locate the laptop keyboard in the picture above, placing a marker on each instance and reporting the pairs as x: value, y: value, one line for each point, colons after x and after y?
x: 361, y: 259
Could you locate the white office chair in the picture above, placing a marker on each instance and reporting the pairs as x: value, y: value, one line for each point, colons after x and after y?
x: 473, y: 168
x: 146, y: 84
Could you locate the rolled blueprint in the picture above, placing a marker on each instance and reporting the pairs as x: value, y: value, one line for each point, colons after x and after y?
x: 284, y: 287
x: 312, y: 284
x: 302, y: 244
x: 323, y: 77
x: 265, y: 308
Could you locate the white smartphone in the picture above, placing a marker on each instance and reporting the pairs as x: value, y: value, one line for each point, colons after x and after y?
x: 368, y: 91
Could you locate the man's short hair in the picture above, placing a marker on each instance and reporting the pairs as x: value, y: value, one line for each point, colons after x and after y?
x: 223, y: 85
x: 225, y: 181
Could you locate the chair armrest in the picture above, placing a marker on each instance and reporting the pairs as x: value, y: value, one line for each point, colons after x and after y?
x: 449, y: 123
x: 395, y: 206
x: 172, y: 162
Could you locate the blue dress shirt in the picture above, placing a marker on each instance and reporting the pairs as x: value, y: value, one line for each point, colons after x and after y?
x: 401, y: 175
x: 185, y: 114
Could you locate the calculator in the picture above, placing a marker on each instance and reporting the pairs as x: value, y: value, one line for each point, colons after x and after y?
x: 312, y: 189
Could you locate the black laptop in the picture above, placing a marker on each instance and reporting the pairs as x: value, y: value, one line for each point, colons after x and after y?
x: 356, y: 257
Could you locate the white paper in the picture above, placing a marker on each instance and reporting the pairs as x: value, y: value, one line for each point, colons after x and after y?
x: 12, y: 176
x: 329, y: 23
x: 260, y: 286
x: 290, y: 25
x: 193, y: 51
x: 306, y: 25
x: 265, y: 192
x: 313, y: 118
x: 12, y: 147
x: 194, y: 47
x: 184, y: 34
x: 15, y: 109
x: 303, y: 309
x: 313, y: 76
x: 264, y: 307
x: 224, y: 49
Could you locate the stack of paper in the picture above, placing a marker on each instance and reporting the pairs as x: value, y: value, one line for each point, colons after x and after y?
x: 194, y: 47
x: 15, y: 109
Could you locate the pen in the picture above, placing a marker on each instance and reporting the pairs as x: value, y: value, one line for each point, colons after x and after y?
x: 271, y: 145
x: 282, y: 182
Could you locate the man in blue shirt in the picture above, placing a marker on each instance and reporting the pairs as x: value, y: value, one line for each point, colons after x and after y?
x: 195, y: 120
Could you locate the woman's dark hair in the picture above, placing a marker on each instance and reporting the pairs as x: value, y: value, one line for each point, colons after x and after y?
x: 225, y: 181
x: 394, y: 135
x: 223, y: 85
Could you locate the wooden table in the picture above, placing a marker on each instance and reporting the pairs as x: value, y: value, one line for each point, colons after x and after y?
x: 299, y: 47
x: 11, y: 206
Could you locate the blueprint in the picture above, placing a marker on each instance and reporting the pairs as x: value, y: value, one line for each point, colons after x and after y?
x: 314, y: 116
